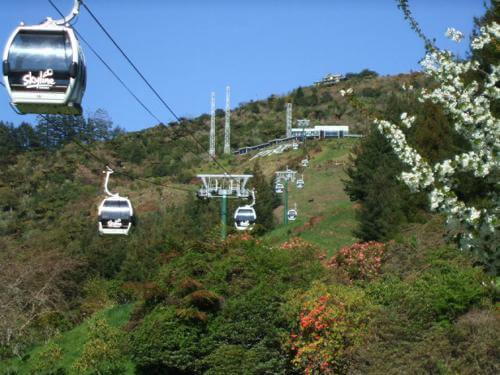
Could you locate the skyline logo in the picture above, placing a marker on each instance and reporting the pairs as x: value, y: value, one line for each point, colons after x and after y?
x: 44, y: 81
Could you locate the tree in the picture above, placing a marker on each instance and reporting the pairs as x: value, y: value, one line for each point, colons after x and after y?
x: 386, y: 203
x: 474, y: 224
x: 265, y: 203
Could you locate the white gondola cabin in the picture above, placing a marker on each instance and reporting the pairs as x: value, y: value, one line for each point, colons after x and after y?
x: 300, y: 183
x: 279, y: 187
x: 44, y: 68
x: 244, y: 218
x: 292, y: 214
x: 116, y: 215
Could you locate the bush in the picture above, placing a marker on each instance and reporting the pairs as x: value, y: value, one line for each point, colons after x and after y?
x: 103, y: 351
x: 46, y: 361
x: 437, y: 294
x: 360, y: 261
x: 164, y: 343
x: 329, y: 325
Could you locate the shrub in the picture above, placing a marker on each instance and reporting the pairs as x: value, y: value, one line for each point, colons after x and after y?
x: 165, y: 343
x: 102, y: 353
x: 329, y: 324
x: 437, y: 294
x: 46, y: 361
x: 360, y: 261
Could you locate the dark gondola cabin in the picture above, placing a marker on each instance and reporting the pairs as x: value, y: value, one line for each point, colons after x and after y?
x: 116, y: 215
x: 44, y: 69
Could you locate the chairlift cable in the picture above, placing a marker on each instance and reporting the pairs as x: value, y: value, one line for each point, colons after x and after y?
x: 146, y: 81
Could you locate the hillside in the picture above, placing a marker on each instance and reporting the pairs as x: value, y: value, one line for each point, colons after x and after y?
x: 172, y: 297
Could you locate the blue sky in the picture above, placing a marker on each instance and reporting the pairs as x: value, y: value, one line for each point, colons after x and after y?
x: 188, y: 48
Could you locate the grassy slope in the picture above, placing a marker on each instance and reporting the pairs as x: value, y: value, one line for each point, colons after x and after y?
x: 326, y: 216
x: 71, y: 343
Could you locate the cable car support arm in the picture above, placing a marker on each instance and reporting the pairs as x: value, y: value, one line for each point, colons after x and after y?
x: 108, y: 172
x: 74, y: 12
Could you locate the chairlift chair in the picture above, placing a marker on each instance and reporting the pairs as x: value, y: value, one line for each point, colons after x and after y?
x: 44, y: 68
x: 115, y: 213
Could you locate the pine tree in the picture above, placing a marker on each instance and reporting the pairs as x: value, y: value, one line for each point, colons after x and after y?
x: 386, y: 202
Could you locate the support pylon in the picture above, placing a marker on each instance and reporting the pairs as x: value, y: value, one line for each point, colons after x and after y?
x: 227, y: 127
x: 212, y: 125
x: 288, y: 120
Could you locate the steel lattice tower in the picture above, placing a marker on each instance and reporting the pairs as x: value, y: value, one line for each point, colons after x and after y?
x: 288, y: 119
x: 212, y: 126
x: 227, y: 127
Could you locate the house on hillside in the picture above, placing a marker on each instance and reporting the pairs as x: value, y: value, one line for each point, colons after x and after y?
x: 322, y: 131
x: 330, y: 79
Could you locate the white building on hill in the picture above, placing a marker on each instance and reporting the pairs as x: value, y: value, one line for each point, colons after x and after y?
x: 322, y: 131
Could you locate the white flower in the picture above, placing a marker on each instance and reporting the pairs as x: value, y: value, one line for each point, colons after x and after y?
x: 454, y: 34
x: 468, y: 105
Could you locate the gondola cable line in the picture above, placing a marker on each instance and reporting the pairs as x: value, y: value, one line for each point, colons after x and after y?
x: 146, y: 81
x: 115, y: 168
x: 117, y: 77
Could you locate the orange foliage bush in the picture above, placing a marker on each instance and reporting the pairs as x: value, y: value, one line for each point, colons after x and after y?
x: 360, y: 261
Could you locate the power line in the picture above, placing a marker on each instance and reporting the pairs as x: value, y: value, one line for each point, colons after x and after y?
x: 145, y: 80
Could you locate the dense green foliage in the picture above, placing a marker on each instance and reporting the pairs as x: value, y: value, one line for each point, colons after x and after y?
x: 211, y: 300
x: 173, y: 298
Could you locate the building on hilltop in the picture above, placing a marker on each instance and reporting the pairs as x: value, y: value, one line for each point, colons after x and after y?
x: 330, y: 79
x: 322, y: 131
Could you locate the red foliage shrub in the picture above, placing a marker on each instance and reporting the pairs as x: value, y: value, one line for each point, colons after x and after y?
x: 331, y: 324
x: 360, y: 261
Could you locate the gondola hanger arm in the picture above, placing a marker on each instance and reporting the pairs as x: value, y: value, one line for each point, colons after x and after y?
x: 108, y: 172
x: 253, y: 198
x: 66, y: 20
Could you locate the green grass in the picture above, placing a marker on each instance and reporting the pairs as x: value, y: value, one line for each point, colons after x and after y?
x: 322, y: 201
x: 71, y: 343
